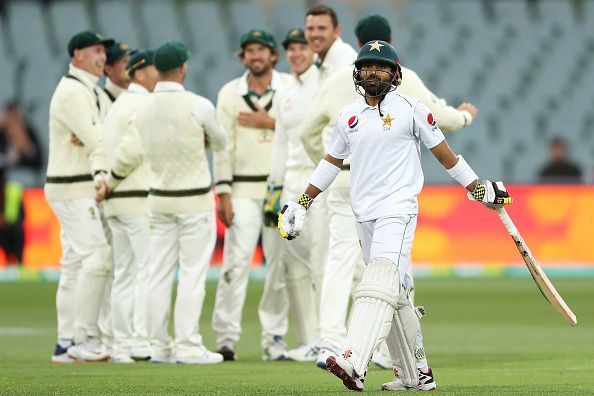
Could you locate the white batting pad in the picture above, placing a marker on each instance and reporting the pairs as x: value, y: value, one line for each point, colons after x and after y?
x: 401, y: 343
x: 375, y: 299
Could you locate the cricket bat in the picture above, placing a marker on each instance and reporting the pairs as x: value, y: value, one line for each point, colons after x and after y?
x: 540, y: 278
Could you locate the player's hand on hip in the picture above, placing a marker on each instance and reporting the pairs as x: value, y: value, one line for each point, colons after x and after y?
x: 225, y: 209
x: 491, y: 194
x: 291, y: 219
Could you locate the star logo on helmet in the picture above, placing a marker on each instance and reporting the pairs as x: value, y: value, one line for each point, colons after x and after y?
x: 375, y: 46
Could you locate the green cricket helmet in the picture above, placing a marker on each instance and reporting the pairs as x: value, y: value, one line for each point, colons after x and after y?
x: 379, y: 52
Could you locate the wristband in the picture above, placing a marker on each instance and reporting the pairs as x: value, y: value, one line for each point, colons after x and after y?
x: 324, y: 175
x: 462, y: 172
x: 305, y: 201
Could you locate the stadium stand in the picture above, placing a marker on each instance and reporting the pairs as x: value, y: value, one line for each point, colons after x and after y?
x: 530, y: 71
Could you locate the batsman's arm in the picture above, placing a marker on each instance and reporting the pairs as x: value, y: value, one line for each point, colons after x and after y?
x: 450, y: 119
x: 292, y: 215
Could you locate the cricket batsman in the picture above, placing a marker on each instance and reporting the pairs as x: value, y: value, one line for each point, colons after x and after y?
x: 344, y: 266
x: 382, y: 132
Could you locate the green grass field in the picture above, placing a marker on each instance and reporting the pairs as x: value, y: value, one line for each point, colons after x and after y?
x: 494, y: 337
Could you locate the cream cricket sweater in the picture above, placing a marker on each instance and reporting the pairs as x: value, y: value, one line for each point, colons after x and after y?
x: 294, y: 100
x: 112, y: 90
x: 129, y: 176
x: 242, y: 169
x: 77, y: 107
x: 176, y: 126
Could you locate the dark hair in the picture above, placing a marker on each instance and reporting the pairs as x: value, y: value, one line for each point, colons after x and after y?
x: 323, y: 10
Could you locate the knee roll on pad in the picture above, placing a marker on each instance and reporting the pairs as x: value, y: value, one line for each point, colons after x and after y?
x: 375, y: 299
x: 381, y: 280
x: 401, y: 343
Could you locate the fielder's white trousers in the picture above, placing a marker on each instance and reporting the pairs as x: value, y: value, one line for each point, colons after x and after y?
x: 303, y: 260
x: 183, y: 241
x: 240, y: 241
x: 344, y: 269
x: 86, y: 267
x: 129, y: 292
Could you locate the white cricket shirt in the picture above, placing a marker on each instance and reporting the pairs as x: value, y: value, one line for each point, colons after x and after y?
x: 386, y: 174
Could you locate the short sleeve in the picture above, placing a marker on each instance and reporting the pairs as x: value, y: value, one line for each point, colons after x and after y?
x: 339, y: 146
x: 425, y: 126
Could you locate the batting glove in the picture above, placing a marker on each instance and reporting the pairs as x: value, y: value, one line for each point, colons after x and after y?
x: 292, y: 217
x: 271, y: 206
x: 491, y: 194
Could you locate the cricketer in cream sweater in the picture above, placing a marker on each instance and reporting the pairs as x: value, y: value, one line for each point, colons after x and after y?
x: 127, y: 212
x: 117, y: 80
x: 343, y: 268
x: 291, y: 169
x: 176, y: 126
x: 78, y: 107
x: 323, y: 34
x: 246, y: 108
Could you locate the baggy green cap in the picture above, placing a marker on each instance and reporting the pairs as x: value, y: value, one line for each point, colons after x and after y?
x: 139, y: 60
x: 117, y: 51
x: 171, y: 55
x: 257, y: 36
x: 373, y: 27
x: 296, y: 35
x: 87, y: 39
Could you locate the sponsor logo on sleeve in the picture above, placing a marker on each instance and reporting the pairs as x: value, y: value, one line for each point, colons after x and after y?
x: 431, y: 121
x: 352, y: 123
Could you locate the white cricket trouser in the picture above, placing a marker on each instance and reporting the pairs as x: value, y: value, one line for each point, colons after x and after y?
x: 187, y: 239
x: 390, y: 238
x: 86, y: 265
x: 104, y: 321
x: 129, y: 292
x: 304, y: 258
x: 344, y: 269
x: 240, y: 241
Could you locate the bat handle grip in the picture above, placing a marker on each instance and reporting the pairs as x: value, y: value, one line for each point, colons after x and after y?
x: 507, y: 222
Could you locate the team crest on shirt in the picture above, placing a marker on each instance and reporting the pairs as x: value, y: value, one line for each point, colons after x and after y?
x: 352, y: 123
x: 387, y: 122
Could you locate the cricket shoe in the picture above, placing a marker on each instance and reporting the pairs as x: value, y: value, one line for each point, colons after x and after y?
x: 227, y: 349
x: 90, y: 350
x: 206, y: 357
x: 342, y: 369
x: 305, y: 353
x: 61, y: 353
x: 122, y: 359
x: 324, y: 354
x: 426, y: 383
x: 276, y: 350
x: 382, y: 360
x: 141, y: 352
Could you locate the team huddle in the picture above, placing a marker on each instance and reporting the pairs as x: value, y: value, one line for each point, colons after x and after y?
x: 335, y: 143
